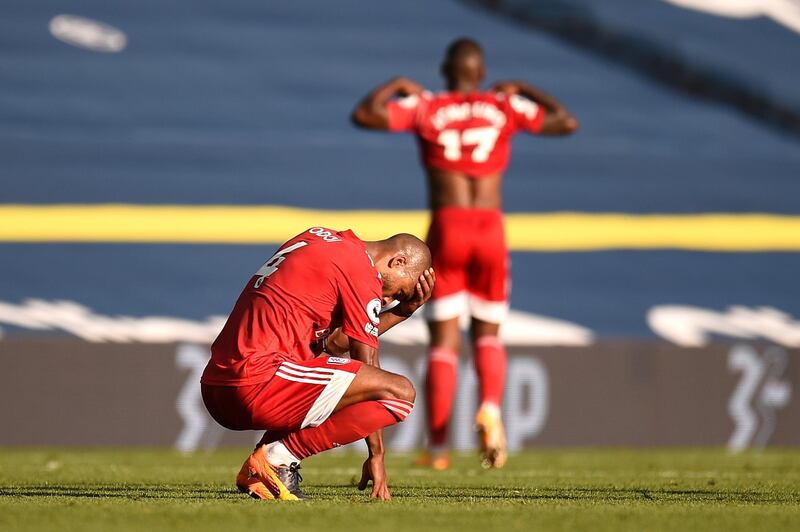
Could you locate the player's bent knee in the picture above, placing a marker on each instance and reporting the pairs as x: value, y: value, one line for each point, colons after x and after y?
x: 401, y: 400
x: 401, y: 388
x: 407, y: 392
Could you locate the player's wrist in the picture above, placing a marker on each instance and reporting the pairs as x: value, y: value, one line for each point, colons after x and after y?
x: 375, y: 445
x: 403, y: 313
x: 376, y: 451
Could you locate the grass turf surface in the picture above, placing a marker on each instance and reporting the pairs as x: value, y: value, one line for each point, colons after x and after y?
x: 53, y: 489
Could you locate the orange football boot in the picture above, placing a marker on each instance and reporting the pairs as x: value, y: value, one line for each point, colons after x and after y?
x: 252, y: 485
x: 437, y: 460
x: 492, y: 436
x: 259, y: 479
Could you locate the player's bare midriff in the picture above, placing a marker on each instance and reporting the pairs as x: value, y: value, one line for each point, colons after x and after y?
x: 449, y: 188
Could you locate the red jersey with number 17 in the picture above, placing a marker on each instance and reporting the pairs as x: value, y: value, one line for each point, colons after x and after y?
x: 316, y: 282
x: 469, y: 133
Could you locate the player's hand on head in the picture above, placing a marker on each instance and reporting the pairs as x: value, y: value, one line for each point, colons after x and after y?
x: 408, y: 87
x: 374, y: 470
x: 506, y: 87
x: 422, y: 293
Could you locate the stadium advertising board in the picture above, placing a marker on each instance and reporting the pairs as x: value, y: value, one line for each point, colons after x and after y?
x: 66, y: 391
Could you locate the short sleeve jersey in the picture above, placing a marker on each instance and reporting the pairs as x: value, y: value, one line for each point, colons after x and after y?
x: 469, y: 133
x: 316, y: 282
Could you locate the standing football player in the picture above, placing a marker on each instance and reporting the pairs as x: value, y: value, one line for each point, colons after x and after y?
x: 464, y: 136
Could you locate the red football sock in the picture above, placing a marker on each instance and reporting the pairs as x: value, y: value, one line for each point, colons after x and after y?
x: 490, y: 364
x: 346, y: 426
x: 440, y: 389
x: 271, y: 436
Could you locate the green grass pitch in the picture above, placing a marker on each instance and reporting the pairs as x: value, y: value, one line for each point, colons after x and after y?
x: 53, y: 489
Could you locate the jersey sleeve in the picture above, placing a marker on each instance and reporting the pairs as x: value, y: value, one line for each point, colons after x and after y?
x: 361, y: 306
x: 526, y: 114
x: 403, y: 113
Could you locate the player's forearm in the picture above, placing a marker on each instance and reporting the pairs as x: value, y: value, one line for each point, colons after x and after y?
x: 364, y: 353
x: 390, y: 319
x: 371, y: 111
x: 337, y: 343
x: 540, y: 97
x: 558, y: 121
x: 383, y: 93
x: 375, y: 443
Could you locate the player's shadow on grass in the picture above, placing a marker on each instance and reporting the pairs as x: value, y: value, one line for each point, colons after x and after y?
x: 428, y: 494
x: 598, y: 494
x: 133, y: 492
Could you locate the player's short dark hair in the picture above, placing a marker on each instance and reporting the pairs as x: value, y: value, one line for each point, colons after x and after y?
x: 461, y: 47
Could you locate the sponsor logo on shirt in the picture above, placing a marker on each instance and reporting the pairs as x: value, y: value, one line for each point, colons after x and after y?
x: 371, y: 329
x: 374, y: 311
x: 324, y: 234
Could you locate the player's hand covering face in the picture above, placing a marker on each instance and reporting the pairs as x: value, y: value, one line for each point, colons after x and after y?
x: 419, y: 295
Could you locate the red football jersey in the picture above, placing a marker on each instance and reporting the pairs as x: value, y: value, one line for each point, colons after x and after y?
x: 319, y: 280
x: 468, y: 133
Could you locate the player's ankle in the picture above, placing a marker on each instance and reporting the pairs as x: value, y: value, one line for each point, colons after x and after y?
x: 490, y: 407
x: 278, y: 455
x: 438, y: 450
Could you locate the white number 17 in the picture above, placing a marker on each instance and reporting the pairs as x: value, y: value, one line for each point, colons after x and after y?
x: 483, y: 138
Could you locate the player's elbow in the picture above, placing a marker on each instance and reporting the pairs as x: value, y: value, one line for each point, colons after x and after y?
x: 364, y: 117
x: 358, y: 117
x: 369, y: 115
x: 570, y: 125
x: 560, y: 124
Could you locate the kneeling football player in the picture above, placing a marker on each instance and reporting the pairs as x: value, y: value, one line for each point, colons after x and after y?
x: 321, y: 294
